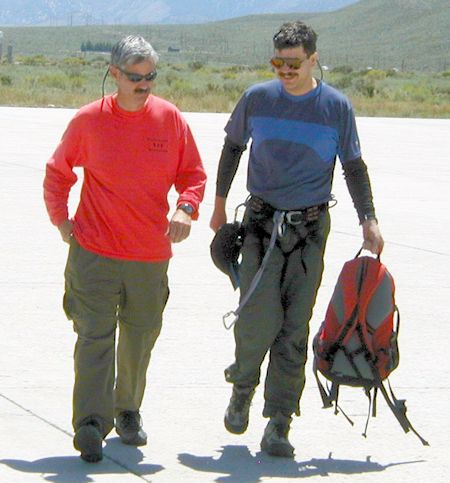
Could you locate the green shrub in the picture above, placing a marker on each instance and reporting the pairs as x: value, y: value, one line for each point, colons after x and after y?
x: 74, y: 61
x: 366, y: 87
x: 342, y: 82
x: 229, y: 75
x: 342, y: 69
x: 170, y: 78
x: 196, y: 65
x: 376, y: 74
x: 77, y: 82
x: 237, y: 68
x: 5, y: 80
x: 56, y: 81
x: 33, y: 60
x: 267, y: 74
x: 259, y: 67
x: 213, y: 87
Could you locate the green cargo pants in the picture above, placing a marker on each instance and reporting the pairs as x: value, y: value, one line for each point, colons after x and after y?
x: 100, y: 294
x: 276, y: 317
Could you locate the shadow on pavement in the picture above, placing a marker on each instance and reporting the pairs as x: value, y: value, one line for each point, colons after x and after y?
x: 241, y: 466
x: 117, y: 459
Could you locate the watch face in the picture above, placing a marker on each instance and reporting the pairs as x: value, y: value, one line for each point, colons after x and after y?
x: 187, y: 208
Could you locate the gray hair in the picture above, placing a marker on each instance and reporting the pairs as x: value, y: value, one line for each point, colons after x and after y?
x: 132, y: 50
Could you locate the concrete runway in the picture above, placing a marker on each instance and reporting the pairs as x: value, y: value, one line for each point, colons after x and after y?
x: 186, y: 397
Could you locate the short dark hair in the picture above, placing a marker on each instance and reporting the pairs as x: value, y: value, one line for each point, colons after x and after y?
x: 296, y: 34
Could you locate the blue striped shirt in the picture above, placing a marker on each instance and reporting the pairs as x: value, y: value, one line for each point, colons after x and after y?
x: 295, y: 141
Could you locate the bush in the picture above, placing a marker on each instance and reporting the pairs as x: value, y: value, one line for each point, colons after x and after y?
x: 366, y: 87
x: 375, y: 74
x: 74, y: 61
x: 56, y: 81
x: 237, y: 68
x: 229, y: 75
x: 5, y: 80
x: 196, y: 65
x: 342, y: 69
x: 33, y: 60
x: 343, y: 82
x: 96, y: 47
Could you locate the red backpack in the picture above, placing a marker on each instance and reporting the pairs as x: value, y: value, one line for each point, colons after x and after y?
x: 357, y: 342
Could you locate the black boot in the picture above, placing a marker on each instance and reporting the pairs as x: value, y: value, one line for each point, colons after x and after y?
x: 275, y: 440
x: 129, y: 428
x: 237, y: 413
x: 88, y: 441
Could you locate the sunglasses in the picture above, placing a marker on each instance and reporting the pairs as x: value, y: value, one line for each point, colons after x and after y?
x: 292, y: 63
x: 133, y: 77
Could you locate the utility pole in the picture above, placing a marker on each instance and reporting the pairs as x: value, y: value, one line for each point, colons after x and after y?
x: 10, y: 54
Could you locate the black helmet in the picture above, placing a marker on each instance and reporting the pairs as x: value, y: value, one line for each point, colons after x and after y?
x: 225, y: 248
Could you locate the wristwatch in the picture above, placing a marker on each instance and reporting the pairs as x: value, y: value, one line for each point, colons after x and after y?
x: 187, y: 208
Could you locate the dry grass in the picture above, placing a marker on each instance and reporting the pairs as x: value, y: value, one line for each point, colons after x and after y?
x: 197, y: 87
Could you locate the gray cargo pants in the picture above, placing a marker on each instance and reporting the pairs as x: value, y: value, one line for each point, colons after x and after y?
x: 276, y: 317
x: 100, y: 294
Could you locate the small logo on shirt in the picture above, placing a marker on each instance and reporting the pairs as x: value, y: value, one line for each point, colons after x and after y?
x: 158, y: 145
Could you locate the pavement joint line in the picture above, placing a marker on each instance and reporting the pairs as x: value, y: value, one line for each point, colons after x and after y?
x: 67, y: 433
x: 19, y: 165
x: 404, y: 245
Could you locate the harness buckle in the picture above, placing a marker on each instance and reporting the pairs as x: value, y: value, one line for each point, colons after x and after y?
x: 295, y: 217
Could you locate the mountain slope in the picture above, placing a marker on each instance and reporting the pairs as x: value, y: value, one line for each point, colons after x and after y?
x: 406, y: 34
x: 83, y: 12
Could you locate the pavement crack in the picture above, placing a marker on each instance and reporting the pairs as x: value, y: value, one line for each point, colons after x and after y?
x: 68, y: 433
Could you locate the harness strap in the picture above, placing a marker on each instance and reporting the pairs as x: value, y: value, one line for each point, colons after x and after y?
x: 278, y: 219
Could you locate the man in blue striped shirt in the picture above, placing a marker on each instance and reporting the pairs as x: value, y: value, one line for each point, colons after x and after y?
x: 298, y: 125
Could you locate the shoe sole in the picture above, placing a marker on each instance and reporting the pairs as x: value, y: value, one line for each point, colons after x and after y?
x: 277, y: 449
x: 234, y: 429
x: 88, y: 441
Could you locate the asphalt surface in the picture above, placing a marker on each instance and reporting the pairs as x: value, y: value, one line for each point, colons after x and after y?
x: 186, y: 397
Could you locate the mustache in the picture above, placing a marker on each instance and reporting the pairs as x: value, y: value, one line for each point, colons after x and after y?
x: 142, y: 90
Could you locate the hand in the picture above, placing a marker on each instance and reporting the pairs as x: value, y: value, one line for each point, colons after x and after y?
x: 66, y: 229
x: 217, y: 220
x: 179, y: 226
x: 373, y: 241
x: 219, y: 216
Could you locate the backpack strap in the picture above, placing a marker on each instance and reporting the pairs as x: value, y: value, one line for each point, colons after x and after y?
x: 371, y: 406
x: 398, y: 407
x: 330, y: 395
x: 327, y: 397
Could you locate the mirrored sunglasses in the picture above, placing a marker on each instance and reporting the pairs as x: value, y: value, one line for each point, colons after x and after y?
x: 291, y: 62
x: 133, y: 77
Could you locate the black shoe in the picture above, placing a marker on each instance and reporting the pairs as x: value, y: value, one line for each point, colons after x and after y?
x: 237, y: 413
x: 275, y: 440
x: 88, y: 440
x: 129, y: 428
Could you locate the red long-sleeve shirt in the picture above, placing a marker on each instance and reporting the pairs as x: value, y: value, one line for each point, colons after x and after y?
x: 131, y: 160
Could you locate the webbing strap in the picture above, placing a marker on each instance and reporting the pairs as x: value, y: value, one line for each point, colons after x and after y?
x: 369, y: 396
x: 278, y: 219
x: 398, y: 407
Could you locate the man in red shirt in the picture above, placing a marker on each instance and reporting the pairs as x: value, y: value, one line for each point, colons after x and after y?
x: 133, y: 147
